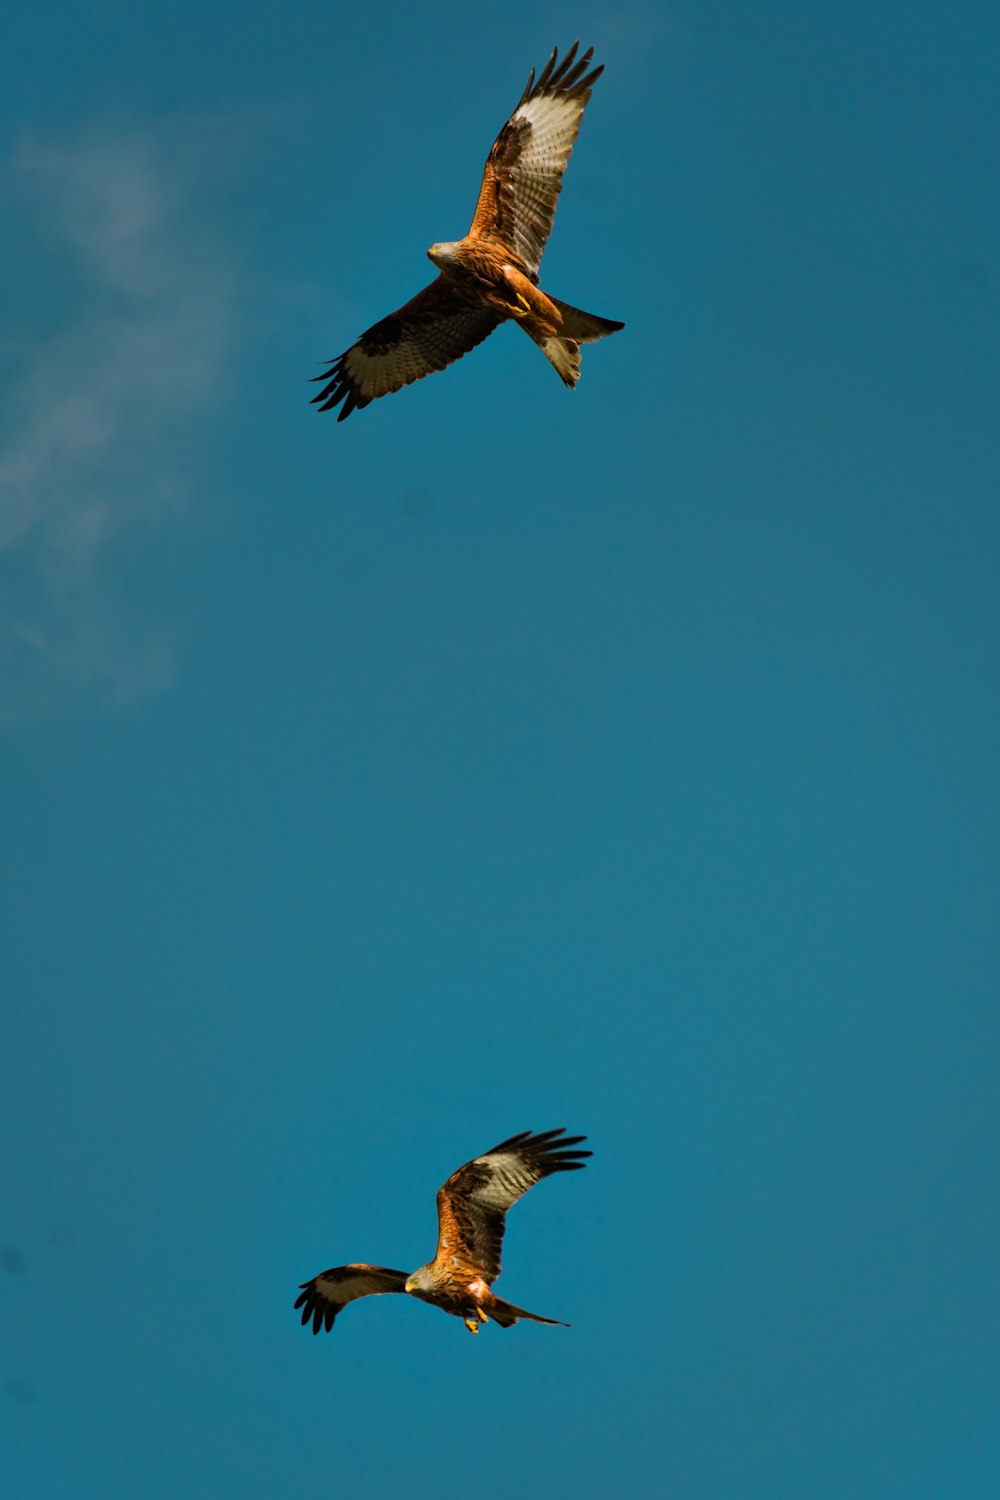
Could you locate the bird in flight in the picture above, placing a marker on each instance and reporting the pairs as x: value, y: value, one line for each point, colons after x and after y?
x: 491, y: 275
x: 472, y: 1206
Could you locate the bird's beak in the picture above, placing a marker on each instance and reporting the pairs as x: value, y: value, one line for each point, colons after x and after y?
x: 408, y: 1287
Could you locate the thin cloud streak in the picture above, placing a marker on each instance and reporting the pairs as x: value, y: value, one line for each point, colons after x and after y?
x: 100, y: 411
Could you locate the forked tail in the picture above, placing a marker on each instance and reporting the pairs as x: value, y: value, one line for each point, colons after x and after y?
x: 506, y: 1314
x: 562, y: 350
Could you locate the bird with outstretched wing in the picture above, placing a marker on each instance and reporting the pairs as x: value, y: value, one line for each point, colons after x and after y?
x: 490, y: 276
x: 472, y: 1208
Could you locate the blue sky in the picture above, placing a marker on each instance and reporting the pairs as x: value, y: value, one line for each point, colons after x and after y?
x: 502, y: 757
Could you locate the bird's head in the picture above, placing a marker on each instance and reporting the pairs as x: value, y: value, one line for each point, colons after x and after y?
x: 443, y: 254
x: 419, y: 1281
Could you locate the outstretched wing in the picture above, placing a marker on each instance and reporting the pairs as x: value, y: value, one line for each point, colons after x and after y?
x: 473, y: 1203
x: 322, y: 1298
x: 433, y: 329
x: 523, y: 175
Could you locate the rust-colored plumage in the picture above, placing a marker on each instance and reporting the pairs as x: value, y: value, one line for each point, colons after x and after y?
x: 472, y: 1207
x: 491, y: 275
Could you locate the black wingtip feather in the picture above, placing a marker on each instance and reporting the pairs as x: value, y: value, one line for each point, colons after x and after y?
x: 313, y: 1311
x: 548, y: 1147
x: 338, y: 388
x: 565, y: 77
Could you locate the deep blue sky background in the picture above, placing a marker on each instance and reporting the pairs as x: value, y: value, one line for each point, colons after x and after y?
x: 501, y: 758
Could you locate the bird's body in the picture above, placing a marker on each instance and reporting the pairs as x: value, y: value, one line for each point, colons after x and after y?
x: 491, y: 275
x: 472, y: 1207
x: 480, y: 271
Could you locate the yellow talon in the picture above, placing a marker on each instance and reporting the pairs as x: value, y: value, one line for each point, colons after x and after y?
x: 471, y: 1324
x: 522, y: 306
x: 481, y: 1315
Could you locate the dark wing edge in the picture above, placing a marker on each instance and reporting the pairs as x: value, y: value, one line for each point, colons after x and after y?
x: 545, y: 1149
x: 565, y: 79
x: 322, y: 1298
x: 473, y: 1203
x: 432, y: 330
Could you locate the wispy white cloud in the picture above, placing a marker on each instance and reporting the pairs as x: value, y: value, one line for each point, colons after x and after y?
x: 96, y: 413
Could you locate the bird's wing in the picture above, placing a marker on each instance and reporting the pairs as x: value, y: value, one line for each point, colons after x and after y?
x: 322, y: 1298
x: 474, y: 1201
x: 524, y: 170
x: 434, y: 328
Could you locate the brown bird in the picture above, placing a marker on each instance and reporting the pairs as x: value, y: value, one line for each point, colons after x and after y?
x: 472, y: 1206
x: 491, y: 275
